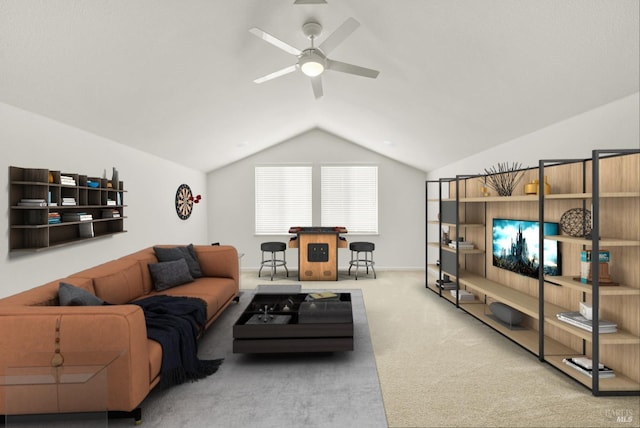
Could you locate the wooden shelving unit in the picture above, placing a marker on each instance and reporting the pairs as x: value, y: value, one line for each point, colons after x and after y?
x: 608, y: 184
x: 30, y: 228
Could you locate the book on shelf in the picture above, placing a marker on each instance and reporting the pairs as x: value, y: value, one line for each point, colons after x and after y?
x: 86, y: 230
x: 111, y: 213
x: 585, y: 366
x: 32, y: 203
x: 463, y: 295
x: 462, y: 245
x: 578, y: 320
x: 69, y: 201
x: 446, y: 285
x: 111, y: 202
x: 54, y: 218
x: 67, y: 180
x: 77, y: 217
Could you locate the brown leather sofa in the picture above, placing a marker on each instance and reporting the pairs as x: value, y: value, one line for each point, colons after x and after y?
x: 32, y: 321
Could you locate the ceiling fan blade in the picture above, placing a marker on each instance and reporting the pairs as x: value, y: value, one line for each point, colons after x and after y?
x: 351, y: 69
x: 339, y: 35
x: 310, y: 2
x: 275, y: 41
x: 316, y: 84
x: 286, y: 70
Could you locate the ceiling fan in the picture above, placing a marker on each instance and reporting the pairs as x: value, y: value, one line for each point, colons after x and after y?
x: 313, y: 61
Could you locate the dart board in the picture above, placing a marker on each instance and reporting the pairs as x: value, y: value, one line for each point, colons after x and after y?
x: 184, y: 201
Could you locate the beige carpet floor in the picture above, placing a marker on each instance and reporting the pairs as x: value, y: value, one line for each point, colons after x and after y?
x: 439, y: 367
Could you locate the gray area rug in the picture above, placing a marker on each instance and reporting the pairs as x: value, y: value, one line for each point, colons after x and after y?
x: 322, y: 390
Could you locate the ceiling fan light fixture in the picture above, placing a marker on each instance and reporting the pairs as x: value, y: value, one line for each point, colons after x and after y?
x: 312, y: 68
x: 311, y: 63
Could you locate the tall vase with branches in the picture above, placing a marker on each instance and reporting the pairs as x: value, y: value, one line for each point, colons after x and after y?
x: 504, y: 177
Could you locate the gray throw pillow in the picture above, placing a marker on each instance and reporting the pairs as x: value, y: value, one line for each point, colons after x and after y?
x: 70, y: 295
x: 187, y: 253
x: 169, y: 274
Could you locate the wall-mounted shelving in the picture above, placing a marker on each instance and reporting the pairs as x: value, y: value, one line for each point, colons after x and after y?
x: 607, y: 184
x: 51, y: 209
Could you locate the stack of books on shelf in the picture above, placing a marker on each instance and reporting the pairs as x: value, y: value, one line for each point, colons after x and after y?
x: 461, y: 244
x: 585, y: 365
x: 76, y: 217
x: 110, y: 213
x: 67, y: 180
x: 54, y: 218
x: 463, y: 295
x: 86, y: 230
x: 32, y: 203
x: 579, y: 320
x: 446, y: 285
x: 69, y: 201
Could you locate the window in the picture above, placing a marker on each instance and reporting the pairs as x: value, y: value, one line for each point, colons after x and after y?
x: 350, y: 198
x: 283, y: 198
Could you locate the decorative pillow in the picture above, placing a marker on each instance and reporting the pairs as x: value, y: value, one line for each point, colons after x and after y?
x: 506, y: 313
x: 187, y: 253
x: 169, y: 274
x: 70, y: 295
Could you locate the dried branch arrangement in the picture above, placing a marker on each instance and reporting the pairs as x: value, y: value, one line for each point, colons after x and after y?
x: 503, y: 178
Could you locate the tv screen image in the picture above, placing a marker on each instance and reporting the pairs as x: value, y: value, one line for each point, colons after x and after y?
x: 516, y: 246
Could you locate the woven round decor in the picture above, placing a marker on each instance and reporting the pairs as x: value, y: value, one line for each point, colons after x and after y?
x: 576, y: 222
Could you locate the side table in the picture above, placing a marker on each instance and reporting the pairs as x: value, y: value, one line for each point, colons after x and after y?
x: 75, y: 392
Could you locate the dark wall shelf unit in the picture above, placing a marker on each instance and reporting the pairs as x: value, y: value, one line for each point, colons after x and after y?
x: 50, y: 209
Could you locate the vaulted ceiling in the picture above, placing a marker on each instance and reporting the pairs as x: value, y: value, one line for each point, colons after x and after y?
x: 175, y: 77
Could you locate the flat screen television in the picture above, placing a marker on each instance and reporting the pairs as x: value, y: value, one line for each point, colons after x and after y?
x: 516, y: 246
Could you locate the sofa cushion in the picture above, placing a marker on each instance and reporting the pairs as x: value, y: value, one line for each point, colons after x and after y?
x: 169, y: 274
x: 216, y: 292
x: 144, y: 258
x: 70, y: 295
x: 118, y: 281
x: 47, y: 294
x: 187, y: 253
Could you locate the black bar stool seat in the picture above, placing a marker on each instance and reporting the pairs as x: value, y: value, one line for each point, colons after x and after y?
x: 273, y: 261
x: 366, y: 260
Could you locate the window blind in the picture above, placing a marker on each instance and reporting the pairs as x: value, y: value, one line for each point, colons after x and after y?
x: 283, y: 198
x: 349, y: 198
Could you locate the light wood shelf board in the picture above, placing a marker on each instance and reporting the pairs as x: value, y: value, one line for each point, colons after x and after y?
x: 514, y: 298
x: 590, y: 195
x: 465, y: 225
x: 608, y: 290
x: 470, y: 251
x: 617, y: 383
x: 433, y: 267
x: 621, y: 337
x: 527, y: 338
x: 604, y: 242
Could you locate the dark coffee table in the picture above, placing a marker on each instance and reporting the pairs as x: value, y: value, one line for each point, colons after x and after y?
x: 295, y: 322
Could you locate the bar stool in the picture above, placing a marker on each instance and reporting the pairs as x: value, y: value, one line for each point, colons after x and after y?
x: 366, y: 248
x: 273, y: 262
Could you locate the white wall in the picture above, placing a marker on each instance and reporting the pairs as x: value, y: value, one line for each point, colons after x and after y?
x: 401, y: 202
x: 612, y: 126
x: 32, y: 141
